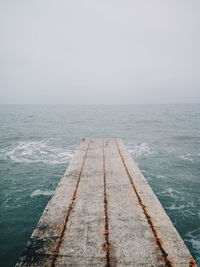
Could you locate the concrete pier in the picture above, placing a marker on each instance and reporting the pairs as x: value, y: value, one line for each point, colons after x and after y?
x: 104, y: 213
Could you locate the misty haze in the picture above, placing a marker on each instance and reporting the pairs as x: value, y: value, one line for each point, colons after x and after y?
x: 99, y: 52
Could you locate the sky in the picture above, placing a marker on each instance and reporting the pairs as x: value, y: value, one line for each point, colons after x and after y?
x: 99, y: 51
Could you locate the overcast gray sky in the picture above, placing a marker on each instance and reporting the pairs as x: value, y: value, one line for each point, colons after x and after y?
x: 99, y: 51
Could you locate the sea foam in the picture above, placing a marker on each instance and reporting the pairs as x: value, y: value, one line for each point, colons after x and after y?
x: 36, y: 151
x: 193, y: 237
x: 181, y: 207
x: 39, y: 192
x: 140, y: 150
x: 187, y: 157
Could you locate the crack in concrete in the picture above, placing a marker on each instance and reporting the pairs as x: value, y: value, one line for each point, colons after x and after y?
x: 158, y: 241
x: 69, y: 211
x: 107, y: 244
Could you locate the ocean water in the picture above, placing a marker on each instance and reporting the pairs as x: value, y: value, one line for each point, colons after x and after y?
x: 37, y: 143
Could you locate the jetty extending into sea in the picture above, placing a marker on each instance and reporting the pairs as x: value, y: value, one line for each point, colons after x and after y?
x: 104, y: 213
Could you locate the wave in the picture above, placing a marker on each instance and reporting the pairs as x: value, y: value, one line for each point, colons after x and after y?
x: 187, y: 157
x: 195, y: 243
x: 170, y: 192
x: 39, y: 192
x: 160, y: 176
x: 193, y: 237
x: 181, y: 207
x: 140, y: 150
x: 36, y: 151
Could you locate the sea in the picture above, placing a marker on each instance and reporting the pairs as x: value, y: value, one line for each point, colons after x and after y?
x: 37, y: 143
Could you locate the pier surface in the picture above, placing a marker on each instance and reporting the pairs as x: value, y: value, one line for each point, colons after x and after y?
x: 104, y: 213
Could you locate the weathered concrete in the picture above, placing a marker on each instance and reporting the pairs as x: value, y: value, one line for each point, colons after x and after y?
x: 104, y: 213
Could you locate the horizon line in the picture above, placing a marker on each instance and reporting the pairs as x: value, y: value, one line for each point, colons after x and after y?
x: 95, y: 104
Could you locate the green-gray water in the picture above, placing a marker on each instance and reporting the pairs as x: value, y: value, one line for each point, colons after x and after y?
x: 37, y: 143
